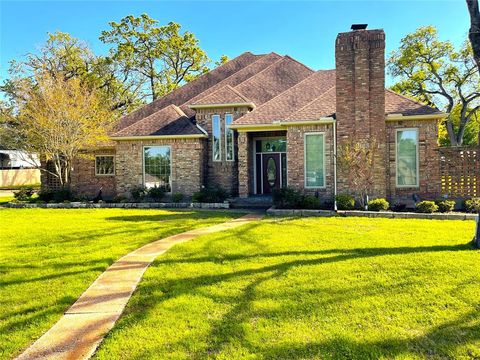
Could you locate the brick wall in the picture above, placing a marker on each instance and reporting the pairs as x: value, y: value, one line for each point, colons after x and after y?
x: 360, y: 98
x: 296, y: 162
x: 84, y: 182
x: 187, y: 164
x: 222, y: 173
x: 429, y: 176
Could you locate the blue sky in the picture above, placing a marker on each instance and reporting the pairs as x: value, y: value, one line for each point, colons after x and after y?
x: 303, y: 30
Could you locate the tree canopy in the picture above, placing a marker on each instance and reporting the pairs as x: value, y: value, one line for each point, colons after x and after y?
x: 435, y: 73
x: 156, y: 58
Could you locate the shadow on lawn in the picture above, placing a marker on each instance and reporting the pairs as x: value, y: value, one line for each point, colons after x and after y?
x: 174, y: 215
x: 230, y: 328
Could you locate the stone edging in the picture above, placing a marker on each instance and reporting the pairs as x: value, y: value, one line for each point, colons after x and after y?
x: 371, y: 214
x: 80, y: 205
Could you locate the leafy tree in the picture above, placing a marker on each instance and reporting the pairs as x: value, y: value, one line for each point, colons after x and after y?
x: 356, y: 161
x: 223, y: 59
x: 65, y: 56
x: 156, y: 58
x: 433, y: 72
x: 56, y: 120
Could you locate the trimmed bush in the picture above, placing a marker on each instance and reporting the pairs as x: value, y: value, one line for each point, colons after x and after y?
x: 398, y: 207
x: 24, y: 194
x: 426, y: 207
x: 177, y: 197
x: 210, y: 195
x: 345, y: 202
x: 472, y: 205
x: 138, y: 193
x: 45, y: 195
x: 378, y: 205
x: 56, y: 196
x: 311, y: 202
x: 445, y: 206
x: 287, y: 198
x: 156, y: 194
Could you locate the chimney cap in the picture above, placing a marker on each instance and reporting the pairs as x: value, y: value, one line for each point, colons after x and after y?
x: 359, y: 26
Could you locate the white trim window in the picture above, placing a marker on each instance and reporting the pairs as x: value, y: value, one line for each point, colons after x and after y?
x: 229, y: 147
x: 314, y: 160
x: 157, y: 167
x: 104, y: 165
x: 406, y: 143
x: 216, y: 138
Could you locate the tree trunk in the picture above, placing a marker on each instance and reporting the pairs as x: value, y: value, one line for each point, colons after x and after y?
x: 474, y: 32
x: 451, y: 133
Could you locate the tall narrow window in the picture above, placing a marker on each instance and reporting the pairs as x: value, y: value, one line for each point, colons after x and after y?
x: 157, y: 167
x: 314, y: 160
x: 407, y: 157
x: 216, y: 131
x: 229, y: 151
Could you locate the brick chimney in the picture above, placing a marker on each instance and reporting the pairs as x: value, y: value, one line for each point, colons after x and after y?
x: 360, y: 103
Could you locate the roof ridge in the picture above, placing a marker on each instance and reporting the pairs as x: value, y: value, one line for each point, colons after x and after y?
x: 235, y: 73
x: 311, y: 102
x: 268, y: 67
x: 407, y: 98
x: 177, y: 110
x: 237, y: 92
x: 291, y: 58
x: 283, y: 92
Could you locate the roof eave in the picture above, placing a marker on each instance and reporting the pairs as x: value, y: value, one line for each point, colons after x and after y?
x: 158, y: 137
x: 401, y: 117
x: 251, y: 105
x: 281, y: 125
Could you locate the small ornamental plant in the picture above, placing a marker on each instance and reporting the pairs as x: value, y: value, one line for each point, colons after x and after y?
x: 345, y: 202
x: 445, y: 206
x: 378, y: 205
x: 472, y: 205
x: 426, y: 207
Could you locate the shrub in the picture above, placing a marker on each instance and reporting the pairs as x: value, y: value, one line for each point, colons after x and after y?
x: 345, y: 202
x: 287, y: 198
x: 120, y: 199
x: 138, y: 193
x: 426, y: 207
x: 156, y: 193
x: 210, y: 195
x: 444, y: 205
x: 56, y: 196
x: 177, y: 197
x: 24, y: 194
x: 310, y: 202
x: 472, y: 205
x: 378, y: 205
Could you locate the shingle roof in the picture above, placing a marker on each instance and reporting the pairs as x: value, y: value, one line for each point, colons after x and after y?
x: 399, y: 104
x: 224, y: 95
x: 280, y: 87
x: 190, y: 90
x: 297, y: 96
x: 170, y: 120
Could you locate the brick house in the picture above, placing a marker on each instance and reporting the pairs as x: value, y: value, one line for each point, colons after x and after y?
x: 260, y: 122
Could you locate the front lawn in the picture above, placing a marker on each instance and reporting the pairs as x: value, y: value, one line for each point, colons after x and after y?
x: 50, y: 256
x: 340, y: 288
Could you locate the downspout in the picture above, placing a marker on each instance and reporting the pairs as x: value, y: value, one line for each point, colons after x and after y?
x: 335, y: 165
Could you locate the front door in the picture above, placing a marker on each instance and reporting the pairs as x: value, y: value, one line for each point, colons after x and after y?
x: 271, y: 172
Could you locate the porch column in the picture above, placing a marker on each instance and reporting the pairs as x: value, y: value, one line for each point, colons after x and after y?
x: 243, y: 164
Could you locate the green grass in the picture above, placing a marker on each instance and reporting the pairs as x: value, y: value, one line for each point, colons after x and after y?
x: 325, y: 288
x: 6, y: 199
x: 50, y: 256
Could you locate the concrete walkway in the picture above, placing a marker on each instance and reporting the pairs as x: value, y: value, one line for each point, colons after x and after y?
x: 79, y: 332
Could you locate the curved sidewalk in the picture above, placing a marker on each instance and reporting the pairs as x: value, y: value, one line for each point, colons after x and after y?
x: 84, y: 325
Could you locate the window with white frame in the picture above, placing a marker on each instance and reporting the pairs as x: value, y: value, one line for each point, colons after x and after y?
x: 157, y: 167
x: 229, y: 150
x: 314, y: 160
x: 104, y: 165
x: 407, y: 157
x: 216, y: 138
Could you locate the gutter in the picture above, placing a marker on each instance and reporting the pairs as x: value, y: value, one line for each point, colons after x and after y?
x: 281, y: 125
x: 158, y: 137
x: 401, y: 117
